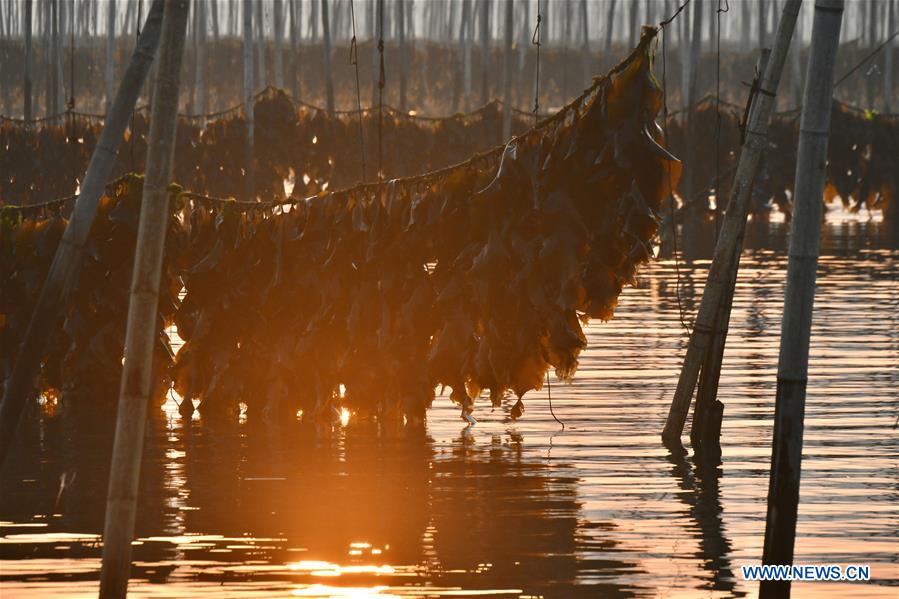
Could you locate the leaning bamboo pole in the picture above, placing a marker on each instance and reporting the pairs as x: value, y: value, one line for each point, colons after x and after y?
x: 799, y: 297
x: 727, y: 251
x: 66, y: 263
x: 140, y: 333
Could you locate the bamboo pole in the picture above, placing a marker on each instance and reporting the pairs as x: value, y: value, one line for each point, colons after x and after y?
x: 467, y: 23
x: 262, y: 74
x: 632, y: 29
x: 485, y: 51
x: 110, y: 52
x: 27, y: 83
x: 708, y: 412
x: 67, y: 261
x: 294, y: 49
x: 585, y: 46
x: 278, y: 23
x: 141, y: 331
x: 610, y: 22
x: 727, y: 253
x: 401, y: 39
x: 888, y: 59
x: 326, y: 36
x: 799, y: 297
x: 507, y: 72
x: 248, y: 107
x: 200, y: 57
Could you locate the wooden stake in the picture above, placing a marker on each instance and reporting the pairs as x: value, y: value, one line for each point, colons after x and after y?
x: 67, y: 262
x: 805, y: 243
x: 727, y: 251
x: 141, y: 332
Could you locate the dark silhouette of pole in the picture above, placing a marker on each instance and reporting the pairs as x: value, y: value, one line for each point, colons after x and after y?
x: 799, y: 298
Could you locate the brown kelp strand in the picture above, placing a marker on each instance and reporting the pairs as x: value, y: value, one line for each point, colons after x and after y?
x: 477, y: 277
x: 862, y: 163
x: 311, y: 148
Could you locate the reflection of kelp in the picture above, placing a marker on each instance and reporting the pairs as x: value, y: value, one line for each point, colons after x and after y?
x: 476, y: 277
x: 863, y: 168
x: 40, y: 164
x: 271, y: 497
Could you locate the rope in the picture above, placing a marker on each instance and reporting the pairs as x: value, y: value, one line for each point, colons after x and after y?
x: 535, y: 40
x: 672, y: 210
x: 871, y: 55
x: 354, y: 60
x: 549, y: 395
x: 381, y: 83
x: 677, y: 13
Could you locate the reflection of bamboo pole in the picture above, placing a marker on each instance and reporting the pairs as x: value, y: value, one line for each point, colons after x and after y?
x: 141, y: 332
x: 727, y: 250
x: 799, y: 297
x: 67, y: 262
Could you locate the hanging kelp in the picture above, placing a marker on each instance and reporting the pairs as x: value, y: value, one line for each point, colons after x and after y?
x: 84, y: 358
x: 478, y: 277
x: 861, y: 165
x: 309, y: 148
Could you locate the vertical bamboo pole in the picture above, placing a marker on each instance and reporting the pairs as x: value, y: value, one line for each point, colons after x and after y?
x: 485, y: 51
x: 633, y: 28
x: 796, y: 65
x: 467, y: 27
x: 401, y: 39
x: 26, y: 87
x: 67, y: 261
x: 762, y: 22
x: 54, y: 57
x: 278, y: 22
x: 685, y: 57
x: 727, y: 253
x: 507, y: 71
x: 689, y: 183
x: 141, y: 331
x: 294, y: 50
x: 248, y: 106
x: 110, y: 52
x: 326, y: 36
x: 585, y: 46
x: 805, y: 242
x: 200, y: 57
x: 610, y: 26
x: 262, y: 74
x: 888, y: 59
